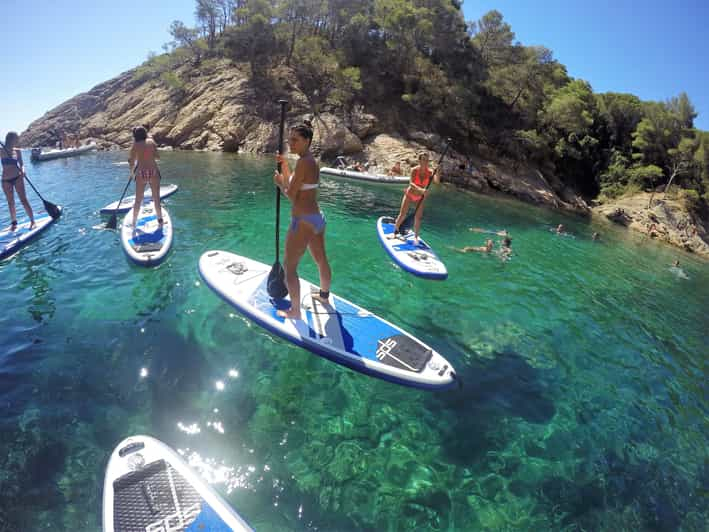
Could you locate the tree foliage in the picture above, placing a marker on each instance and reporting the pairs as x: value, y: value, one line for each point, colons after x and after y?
x: 422, y: 65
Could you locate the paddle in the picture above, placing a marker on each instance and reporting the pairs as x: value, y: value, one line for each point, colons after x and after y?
x: 111, y: 224
x: 53, y: 211
x: 409, y: 220
x: 276, y: 286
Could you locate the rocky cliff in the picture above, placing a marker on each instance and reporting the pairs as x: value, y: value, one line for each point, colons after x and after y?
x: 220, y: 106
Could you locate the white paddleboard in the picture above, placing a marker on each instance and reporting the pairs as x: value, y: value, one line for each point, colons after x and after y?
x: 417, y: 259
x: 127, y: 203
x: 147, y: 243
x: 365, y: 176
x: 148, y: 487
x: 12, y: 241
x: 336, y: 329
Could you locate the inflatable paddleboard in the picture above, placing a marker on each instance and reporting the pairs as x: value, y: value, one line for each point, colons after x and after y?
x: 364, y: 176
x: 147, y: 243
x: 335, y: 329
x: 149, y: 488
x: 127, y: 203
x: 417, y: 259
x: 37, y: 154
x: 12, y: 241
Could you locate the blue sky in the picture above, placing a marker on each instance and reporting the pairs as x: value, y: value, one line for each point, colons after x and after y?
x: 53, y: 50
x: 654, y: 49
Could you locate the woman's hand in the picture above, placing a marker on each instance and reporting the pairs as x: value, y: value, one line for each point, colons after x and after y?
x: 278, y: 179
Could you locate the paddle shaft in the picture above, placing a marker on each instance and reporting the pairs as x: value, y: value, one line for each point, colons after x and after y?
x: 409, y: 219
x: 281, y: 129
x: 112, y: 221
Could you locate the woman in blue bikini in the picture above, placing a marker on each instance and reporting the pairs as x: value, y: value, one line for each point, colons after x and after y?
x: 307, y: 227
x: 13, y: 171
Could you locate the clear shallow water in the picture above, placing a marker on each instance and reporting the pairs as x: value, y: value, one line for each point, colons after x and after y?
x: 583, y: 366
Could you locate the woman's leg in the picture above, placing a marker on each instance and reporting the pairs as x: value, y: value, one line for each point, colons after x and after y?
x: 139, y: 190
x: 417, y: 218
x: 296, y: 242
x: 155, y: 189
x: 7, y: 189
x: 405, y: 202
x: 317, y: 250
x: 20, y: 186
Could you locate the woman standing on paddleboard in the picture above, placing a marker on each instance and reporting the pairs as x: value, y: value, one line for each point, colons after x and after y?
x: 307, y: 227
x: 421, y: 176
x: 143, y: 157
x: 13, y: 171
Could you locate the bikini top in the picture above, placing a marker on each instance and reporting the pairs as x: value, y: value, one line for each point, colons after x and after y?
x: 10, y: 161
x: 305, y: 186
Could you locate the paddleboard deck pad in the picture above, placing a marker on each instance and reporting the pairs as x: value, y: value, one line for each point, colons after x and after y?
x: 417, y: 259
x: 12, y: 241
x: 148, y: 487
x: 364, y: 176
x: 335, y: 329
x: 147, y: 243
x: 127, y: 203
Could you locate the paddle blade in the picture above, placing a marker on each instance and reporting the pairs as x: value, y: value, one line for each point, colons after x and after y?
x: 276, y: 285
x: 111, y: 223
x: 53, y: 211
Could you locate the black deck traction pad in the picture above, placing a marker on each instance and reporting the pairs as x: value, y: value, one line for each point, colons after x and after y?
x: 401, y: 351
x: 144, y: 497
x: 150, y: 246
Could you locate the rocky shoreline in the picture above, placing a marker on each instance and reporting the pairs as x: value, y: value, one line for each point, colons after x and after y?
x: 221, y: 108
x: 665, y: 220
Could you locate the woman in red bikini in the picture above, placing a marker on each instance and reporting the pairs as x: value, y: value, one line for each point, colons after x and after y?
x: 13, y: 171
x: 421, y: 176
x: 143, y: 158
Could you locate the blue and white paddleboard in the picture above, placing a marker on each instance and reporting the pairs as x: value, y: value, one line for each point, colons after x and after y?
x: 417, y: 259
x: 335, y: 329
x: 12, y: 241
x: 147, y: 243
x: 149, y: 488
x: 127, y: 203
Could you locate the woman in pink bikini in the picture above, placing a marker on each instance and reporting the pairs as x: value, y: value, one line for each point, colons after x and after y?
x: 143, y: 158
x: 307, y: 228
x: 13, y: 171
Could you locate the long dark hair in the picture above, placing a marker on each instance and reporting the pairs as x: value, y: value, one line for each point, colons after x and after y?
x: 140, y: 133
x: 10, y: 141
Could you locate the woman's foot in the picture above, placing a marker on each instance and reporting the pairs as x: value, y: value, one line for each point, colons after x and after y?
x: 13, y: 225
x: 321, y: 295
x: 289, y: 314
x: 32, y: 224
x: 160, y: 221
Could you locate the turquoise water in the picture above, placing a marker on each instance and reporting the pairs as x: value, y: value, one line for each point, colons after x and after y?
x: 583, y: 366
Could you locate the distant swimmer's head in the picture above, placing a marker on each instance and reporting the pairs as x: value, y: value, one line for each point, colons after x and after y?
x: 676, y: 264
x: 507, y: 241
x: 301, y: 135
x: 140, y: 134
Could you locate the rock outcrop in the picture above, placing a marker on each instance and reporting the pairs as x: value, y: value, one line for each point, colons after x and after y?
x: 666, y: 220
x: 219, y: 106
